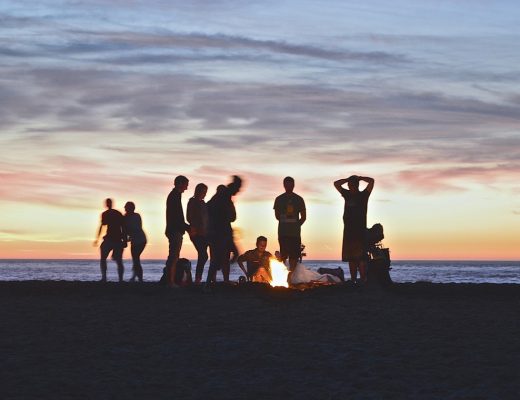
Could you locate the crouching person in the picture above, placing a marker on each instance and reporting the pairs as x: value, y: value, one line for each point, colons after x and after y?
x: 257, y: 262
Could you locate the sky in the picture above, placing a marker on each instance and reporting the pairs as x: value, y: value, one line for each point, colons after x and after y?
x: 115, y: 98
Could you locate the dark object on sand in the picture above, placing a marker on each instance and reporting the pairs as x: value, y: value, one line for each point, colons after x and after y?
x: 378, y: 257
x: 182, y: 274
x: 333, y: 271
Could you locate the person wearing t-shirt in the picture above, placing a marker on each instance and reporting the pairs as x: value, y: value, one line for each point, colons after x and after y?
x: 136, y: 235
x: 354, y: 248
x: 114, y: 240
x: 257, y: 267
x: 289, y: 209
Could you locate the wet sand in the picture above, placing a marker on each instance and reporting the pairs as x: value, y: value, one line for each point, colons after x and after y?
x: 65, y: 340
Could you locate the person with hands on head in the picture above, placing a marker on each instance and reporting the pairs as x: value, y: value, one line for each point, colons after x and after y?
x: 354, y: 249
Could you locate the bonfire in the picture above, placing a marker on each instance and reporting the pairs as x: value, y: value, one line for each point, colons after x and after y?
x: 279, y: 273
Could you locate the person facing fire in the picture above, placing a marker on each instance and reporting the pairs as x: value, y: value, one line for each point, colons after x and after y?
x: 289, y: 209
x: 257, y: 262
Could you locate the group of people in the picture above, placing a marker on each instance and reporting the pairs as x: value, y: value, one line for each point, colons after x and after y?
x: 208, y: 225
x: 120, y: 230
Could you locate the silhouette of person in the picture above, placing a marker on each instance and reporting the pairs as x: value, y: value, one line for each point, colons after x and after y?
x: 137, y: 237
x: 197, y: 215
x: 355, y: 224
x: 175, y: 227
x: 289, y: 209
x: 222, y: 213
x: 257, y: 262
x: 114, y: 240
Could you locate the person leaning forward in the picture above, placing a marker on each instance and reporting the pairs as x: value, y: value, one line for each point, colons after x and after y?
x: 257, y: 262
x: 175, y: 226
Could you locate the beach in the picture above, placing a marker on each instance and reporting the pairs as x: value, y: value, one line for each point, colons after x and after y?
x: 87, y: 340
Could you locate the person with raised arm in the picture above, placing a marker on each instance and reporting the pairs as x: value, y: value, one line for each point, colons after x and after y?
x: 354, y: 249
x: 115, y: 240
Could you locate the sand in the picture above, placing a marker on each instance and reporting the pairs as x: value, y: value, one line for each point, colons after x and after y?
x: 65, y: 340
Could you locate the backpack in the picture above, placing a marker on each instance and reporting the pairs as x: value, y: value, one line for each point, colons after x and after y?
x: 183, y: 275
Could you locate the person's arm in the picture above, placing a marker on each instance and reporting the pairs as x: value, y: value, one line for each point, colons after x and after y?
x: 232, y: 212
x: 303, y: 216
x: 96, y: 240
x: 101, y: 223
x: 370, y: 182
x: 277, y: 213
x: 240, y: 262
x: 339, y: 183
x: 124, y: 232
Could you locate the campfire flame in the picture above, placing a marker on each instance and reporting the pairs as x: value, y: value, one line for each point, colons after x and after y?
x: 279, y: 273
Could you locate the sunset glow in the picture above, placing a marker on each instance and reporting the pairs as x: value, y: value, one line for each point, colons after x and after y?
x: 114, y: 99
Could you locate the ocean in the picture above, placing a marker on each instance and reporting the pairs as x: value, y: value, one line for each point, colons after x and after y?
x: 402, y: 271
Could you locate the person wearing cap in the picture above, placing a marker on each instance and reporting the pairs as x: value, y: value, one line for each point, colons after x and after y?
x: 354, y: 249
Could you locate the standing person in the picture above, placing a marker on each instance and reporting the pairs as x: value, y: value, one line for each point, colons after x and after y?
x: 355, y: 224
x: 136, y: 235
x: 114, y: 240
x: 289, y: 209
x: 197, y: 215
x: 175, y: 227
x: 222, y: 213
x: 257, y: 262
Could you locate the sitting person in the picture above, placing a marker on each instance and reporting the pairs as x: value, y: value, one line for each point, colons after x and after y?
x: 257, y: 262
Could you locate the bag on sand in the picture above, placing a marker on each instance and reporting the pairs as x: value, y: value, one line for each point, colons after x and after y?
x: 182, y: 274
x: 379, y: 266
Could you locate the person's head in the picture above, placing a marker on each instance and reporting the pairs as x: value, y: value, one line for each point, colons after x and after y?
x: 200, y: 191
x: 129, y: 207
x: 261, y: 243
x: 181, y: 183
x: 288, y: 184
x: 108, y: 203
x: 234, y: 187
x: 353, y: 183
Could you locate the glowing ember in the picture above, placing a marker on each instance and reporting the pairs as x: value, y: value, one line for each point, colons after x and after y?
x: 279, y: 273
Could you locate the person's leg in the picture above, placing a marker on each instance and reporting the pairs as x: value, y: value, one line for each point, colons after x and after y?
x: 133, y: 252
x: 282, y: 241
x: 104, y: 250
x: 294, y: 245
x: 353, y: 267
x: 175, y: 244
x: 226, y: 265
x: 201, y: 245
x: 117, y: 256
x: 137, y: 249
x: 363, y: 271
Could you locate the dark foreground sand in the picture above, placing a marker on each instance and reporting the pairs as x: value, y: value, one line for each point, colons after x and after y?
x: 64, y: 340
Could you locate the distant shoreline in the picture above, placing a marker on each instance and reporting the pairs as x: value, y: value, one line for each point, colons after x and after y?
x: 304, y: 260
